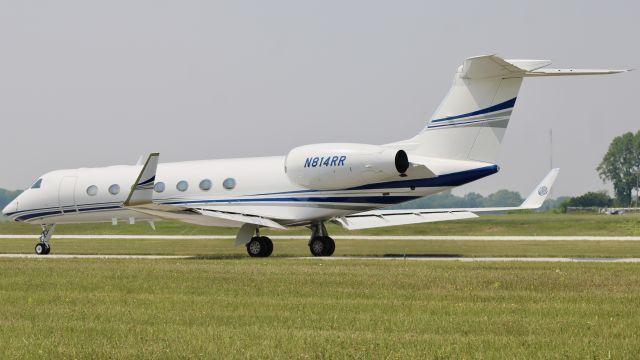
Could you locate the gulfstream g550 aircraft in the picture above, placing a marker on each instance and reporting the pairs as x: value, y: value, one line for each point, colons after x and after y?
x: 342, y: 183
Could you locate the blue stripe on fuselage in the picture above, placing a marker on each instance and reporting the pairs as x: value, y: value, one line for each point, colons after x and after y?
x: 385, y: 200
x: 448, y: 180
x: 453, y: 179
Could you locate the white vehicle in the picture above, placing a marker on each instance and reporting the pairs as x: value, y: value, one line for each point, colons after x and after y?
x: 342, y: 183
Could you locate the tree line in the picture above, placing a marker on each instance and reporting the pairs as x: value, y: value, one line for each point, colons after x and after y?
x: 7, y: 195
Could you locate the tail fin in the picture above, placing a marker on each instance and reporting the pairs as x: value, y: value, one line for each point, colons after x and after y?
x: 472, y: 119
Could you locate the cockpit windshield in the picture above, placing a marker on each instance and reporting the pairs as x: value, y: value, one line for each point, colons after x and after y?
x: 37, y: 184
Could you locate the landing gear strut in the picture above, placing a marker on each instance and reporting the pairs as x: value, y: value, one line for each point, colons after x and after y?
x: 321, y: 244
x: 43, y: 247
x: 259, y: 246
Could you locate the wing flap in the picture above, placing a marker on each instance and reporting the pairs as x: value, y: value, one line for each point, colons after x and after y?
x: 241, y: 218
x: 204, y: 217
x: 401, y: 218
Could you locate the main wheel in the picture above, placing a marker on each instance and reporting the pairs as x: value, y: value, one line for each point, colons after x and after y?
x: 260, y: 246
x: 48, y: 249
x: 268, y: 246
x: 41, y: 249
x: 322, y: 246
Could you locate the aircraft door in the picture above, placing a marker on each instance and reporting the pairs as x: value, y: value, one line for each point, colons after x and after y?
x: 67, y: 194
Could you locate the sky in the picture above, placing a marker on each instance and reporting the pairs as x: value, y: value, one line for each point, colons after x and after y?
x: 97, y: 83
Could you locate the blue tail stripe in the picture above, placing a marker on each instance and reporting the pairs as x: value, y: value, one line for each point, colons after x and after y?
x: 503, y: 105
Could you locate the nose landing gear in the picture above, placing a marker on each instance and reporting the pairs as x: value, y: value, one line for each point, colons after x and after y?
x: 43, y: 247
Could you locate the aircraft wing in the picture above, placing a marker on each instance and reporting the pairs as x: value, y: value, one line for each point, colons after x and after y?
x: 204, y: 217
x: 382, y: 218
x: 142, y: 189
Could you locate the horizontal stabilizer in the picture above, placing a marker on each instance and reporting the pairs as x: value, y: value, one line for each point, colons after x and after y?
x: 491, y: 66
x: 569, y: 72
x: 142, y: 189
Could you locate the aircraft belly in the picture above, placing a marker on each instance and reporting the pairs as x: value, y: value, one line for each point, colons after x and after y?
x: 88, y: 217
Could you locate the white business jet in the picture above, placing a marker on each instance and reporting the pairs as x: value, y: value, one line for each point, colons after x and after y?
x: 342, y: 183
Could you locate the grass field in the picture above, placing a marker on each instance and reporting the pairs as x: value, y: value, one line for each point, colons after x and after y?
x: 225, y: 248
x: 275, y: 308
x: 232, y: 306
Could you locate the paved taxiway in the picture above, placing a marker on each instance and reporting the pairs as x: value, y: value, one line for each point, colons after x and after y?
x: 335, y: 258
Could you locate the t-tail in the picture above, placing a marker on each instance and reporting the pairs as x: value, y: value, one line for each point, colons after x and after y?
x: 472, y: 119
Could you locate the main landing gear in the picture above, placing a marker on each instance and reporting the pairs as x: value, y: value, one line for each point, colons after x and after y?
x: 43, y: 247
x: 321, y: 244
x: 259, y: 246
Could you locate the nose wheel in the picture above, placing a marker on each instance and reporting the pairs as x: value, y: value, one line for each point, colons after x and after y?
x: 260, y: 246
x: 43, y: 247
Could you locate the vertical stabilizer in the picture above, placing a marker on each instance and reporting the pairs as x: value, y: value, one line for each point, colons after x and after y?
x: 472, y: 119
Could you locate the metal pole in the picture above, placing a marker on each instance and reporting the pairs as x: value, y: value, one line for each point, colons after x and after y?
x: 550, y: 149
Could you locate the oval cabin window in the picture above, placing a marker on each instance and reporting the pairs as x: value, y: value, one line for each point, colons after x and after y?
x: 205, y: 184
x: 182, y: 185
x: 92, y: 190
x: 158, y: 187
x: 114, y: 189
x: 229, y: 183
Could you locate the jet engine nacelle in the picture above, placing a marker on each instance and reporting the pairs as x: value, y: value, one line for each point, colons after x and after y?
x: 341, y: 166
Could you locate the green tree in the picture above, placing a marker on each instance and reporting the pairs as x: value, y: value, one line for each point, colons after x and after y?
x: 591, y: 199
x: 6, y: 196
x: 503, y: 198
x: 620, y: 164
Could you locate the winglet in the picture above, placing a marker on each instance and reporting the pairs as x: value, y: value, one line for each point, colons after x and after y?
x: 142, y: 188
x: 540, y: 193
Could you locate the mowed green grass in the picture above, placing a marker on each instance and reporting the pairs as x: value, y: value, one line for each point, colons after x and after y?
x: 311, y: 309
x: 379, y: 248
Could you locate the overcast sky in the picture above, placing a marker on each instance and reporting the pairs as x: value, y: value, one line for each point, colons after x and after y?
x: 94, y: 83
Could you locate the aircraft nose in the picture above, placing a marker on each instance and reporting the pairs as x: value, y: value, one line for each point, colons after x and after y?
x: 9, y: 208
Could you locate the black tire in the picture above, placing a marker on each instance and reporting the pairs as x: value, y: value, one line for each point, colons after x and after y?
x: 41, y: 249
x: 255, y: 247
x: 48, y: 249
x: 268, y: 246
x: 259, y: 246
x: 322, y: 246
x: 330, y: 246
